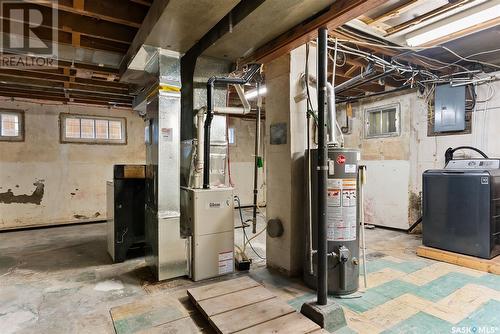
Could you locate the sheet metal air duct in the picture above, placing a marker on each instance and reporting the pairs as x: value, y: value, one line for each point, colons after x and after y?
x: 249, y: 74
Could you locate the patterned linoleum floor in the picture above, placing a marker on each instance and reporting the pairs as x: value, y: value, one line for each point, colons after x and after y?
x: 405, y: 294
x: 408, y: 294
x: 51, y: 281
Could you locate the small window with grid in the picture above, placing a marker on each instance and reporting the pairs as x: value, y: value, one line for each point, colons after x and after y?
x: 382, y: 121
x: 93, y: 129
x: 11, y: 125
x: 231, y: 136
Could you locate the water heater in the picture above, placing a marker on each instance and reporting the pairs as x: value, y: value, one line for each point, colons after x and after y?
x: 342, y: 223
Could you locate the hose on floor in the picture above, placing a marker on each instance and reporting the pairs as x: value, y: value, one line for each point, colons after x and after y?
x: 246, y: 240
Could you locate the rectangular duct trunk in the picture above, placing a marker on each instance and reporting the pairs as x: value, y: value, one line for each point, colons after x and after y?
x: 166, y: 249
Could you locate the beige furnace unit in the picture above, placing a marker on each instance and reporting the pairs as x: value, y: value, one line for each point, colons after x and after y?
x: 207, y: 216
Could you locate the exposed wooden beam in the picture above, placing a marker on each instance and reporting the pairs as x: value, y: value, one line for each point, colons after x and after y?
x: 20, y: 92
x: 440, y: 10
x: 79, y: 4
x: 370, y: 87
x: 338, y: 13
x: 89, y: 67
x: 142, y: 2
x: 116, y: 11
x: 41, y: 83
x: 351, y: 70
x: 398, y: 10
x: 75, y: 39
x: 67, y: 76
x: 369, y: 48
x: 68, y: 21
x: 43, y: 98
x: 88, y: 42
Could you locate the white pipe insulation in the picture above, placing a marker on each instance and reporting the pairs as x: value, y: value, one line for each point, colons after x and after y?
x: 236, y: 110
x: 331, y: 117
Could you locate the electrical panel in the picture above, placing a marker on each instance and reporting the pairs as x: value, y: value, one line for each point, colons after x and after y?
x: 449, y: 112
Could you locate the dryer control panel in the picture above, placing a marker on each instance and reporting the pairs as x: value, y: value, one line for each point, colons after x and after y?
x: 473, y: 164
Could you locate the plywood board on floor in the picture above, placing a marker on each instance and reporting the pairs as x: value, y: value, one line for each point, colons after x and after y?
x: 224, y: 303
x: 242, y: 304
x: 221, y: 288
x: 180, y: 326
x: 153, y: 313
x: 490, y: 266
x: 290, y: 323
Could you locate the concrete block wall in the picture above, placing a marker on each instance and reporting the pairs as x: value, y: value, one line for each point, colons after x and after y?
x: 387, y: 159
x: 69, y: 179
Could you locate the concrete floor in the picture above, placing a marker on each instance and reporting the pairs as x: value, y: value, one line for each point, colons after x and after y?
x: 61, y: 280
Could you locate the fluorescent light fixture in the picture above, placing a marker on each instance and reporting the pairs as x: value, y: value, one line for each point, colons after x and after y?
x: 253, y: 93
x: 454, y: 26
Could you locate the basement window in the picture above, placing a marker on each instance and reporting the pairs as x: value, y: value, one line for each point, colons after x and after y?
x: 11, y: 125
x: 382, y: 121
x: 92, y: 129
x: 231, y: 136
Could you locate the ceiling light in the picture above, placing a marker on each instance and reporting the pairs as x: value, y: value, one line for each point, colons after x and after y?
x: 454, y: 26
x: 253, y: 93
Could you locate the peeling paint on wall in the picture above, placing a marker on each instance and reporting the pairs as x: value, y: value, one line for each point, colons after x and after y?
x: 36, y: 196
x: 97, y: 214
x: 65, y: 168
x: 415, y: 205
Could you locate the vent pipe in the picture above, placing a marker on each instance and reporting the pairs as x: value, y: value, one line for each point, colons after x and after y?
x: 249, y: 74
x: 322, y: 169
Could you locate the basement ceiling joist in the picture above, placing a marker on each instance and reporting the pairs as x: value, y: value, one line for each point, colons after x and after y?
x: 102, y: 26
x: 335, y: 15
x: 118, y: 27
x: 129, y: 13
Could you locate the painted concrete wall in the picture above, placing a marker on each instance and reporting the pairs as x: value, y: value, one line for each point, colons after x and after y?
x: 71, y: 178
x: 285, y: 162
x: 395, y: 165
x: 485, y: 134
x: 241, y: 159
x: 387, y: 159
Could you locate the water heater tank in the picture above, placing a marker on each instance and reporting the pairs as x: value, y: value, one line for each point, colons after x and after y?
x: 342, y: 222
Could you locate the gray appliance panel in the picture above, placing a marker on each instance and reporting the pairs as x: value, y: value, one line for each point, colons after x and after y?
x: 459, y: 211
x: 449, y: 112
x: 473, y: 164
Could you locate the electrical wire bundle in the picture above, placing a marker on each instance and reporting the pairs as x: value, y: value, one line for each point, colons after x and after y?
x: 415, y: 76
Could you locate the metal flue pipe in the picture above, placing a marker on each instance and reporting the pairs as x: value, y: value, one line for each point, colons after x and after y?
x: 252, y: 70
x: 322, y: 169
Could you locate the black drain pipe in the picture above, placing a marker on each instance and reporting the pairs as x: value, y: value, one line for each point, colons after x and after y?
x: 322, y: 168
x: 256, y: 163
x: 252, y: 70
